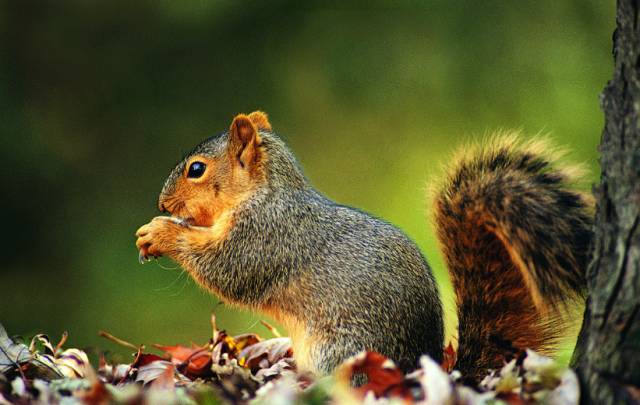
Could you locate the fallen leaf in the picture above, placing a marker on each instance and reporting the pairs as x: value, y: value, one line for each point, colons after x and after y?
x: 179, y: 353
x: 11, y: 353
x: 449, y: 358
x: 271, y: 350
x: 437, y: 386
x: 44, y: 341
x: 199, y: 364
x: 383, y: 376
x: 153, y: 370
x: 73, y: 363
x: 248, y: 339
x: 567, y: 392
x: 165, y: 380
x: 145, y: 358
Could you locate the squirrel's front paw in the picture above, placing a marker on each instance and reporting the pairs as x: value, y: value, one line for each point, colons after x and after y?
x: 158, y: 237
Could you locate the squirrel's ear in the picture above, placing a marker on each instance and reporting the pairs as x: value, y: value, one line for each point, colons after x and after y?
x: 261, y: 120
x: 244, y: 140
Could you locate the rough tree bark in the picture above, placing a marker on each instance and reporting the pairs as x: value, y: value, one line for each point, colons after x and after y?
x: 607, y: 356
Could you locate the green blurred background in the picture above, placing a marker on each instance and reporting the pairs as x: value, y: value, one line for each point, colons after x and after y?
x: 99, y: 99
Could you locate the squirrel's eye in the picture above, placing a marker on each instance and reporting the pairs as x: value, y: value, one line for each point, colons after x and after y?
x: 196, y: 170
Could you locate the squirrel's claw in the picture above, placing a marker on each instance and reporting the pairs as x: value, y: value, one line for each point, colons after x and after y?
x: 142, y: 257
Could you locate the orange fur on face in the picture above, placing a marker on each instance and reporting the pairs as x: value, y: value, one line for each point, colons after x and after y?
x: 228, y: 180
x: 195, y: 200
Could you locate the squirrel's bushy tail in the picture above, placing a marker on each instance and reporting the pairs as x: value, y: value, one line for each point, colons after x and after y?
x: 516, y: 240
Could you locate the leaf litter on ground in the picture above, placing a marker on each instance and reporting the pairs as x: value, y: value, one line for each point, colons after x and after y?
x: 246, y: 369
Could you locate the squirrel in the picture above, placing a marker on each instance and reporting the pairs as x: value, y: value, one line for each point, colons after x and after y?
x: 246, y: 224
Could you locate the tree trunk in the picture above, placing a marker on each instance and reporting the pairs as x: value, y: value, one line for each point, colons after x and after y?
x: 607, y: 357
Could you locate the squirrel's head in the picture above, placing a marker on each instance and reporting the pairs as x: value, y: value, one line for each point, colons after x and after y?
x: 220, y: 173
